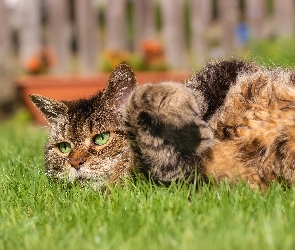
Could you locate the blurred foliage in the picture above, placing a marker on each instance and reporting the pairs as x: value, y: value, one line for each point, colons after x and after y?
x: 21, y: 116
x: 41, y: 62
x: 151, y: 58
x: 130, y: 22
x: 158, y: 16
x: 187, y: 24
x: 274, y: 52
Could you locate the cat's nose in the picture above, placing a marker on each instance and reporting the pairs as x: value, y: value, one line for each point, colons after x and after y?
x: 77, y: 162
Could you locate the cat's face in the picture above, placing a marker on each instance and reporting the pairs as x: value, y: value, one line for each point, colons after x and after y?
x: 87, y: 141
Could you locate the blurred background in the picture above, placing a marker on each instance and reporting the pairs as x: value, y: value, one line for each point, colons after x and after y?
x: 62, y: 37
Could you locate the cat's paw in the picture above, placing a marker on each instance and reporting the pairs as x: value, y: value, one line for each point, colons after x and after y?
x: 166, y: 131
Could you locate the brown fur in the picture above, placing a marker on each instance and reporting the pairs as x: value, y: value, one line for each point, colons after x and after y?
x: 250, y: 110
x: 255, y: 127
x: 78, y: 122
x: 166, y: 131
x: 232, y: 120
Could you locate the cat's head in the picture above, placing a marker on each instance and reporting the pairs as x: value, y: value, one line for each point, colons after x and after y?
x: 87, y: 141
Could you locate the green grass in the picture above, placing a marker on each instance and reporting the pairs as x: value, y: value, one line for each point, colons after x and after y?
x: 37, y: 214
x: 274, y: 52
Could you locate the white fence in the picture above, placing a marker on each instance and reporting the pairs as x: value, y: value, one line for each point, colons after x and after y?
x: 78, y: 30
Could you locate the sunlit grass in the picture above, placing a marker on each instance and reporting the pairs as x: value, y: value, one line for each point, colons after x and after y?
x: 38, y: 214
x: 278, y: 52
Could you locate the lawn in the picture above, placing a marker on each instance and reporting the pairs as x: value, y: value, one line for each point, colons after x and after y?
x: 38, y: 214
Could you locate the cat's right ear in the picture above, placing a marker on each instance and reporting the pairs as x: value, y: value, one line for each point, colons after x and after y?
x: 121, y: 83
x: 51, y: 109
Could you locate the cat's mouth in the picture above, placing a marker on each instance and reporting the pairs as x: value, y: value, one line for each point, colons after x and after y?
x: 83, y: 177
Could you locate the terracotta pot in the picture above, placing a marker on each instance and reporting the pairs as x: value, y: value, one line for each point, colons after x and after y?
x: 74, y: 87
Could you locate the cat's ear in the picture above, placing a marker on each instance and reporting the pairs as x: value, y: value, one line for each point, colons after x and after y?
x: 121, y: 82
x: 51, y: 109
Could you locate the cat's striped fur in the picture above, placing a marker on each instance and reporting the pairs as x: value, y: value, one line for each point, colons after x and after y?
x: 232, y: 120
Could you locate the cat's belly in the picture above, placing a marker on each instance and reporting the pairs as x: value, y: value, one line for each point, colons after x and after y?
x: 223, y: 163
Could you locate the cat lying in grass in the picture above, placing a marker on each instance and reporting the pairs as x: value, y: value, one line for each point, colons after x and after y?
x: 231, y: 120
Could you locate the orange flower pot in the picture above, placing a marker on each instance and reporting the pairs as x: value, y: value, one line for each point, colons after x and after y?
x: 72, y: 87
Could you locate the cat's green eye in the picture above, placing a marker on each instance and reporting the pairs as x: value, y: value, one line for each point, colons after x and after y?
x: 64, y: 147
x: 101, y: 139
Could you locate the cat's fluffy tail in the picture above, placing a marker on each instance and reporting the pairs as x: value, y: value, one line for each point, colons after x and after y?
x: 166, y: 132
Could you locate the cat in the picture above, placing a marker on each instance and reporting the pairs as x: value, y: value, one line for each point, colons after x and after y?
x: 87, y: 142
x: 231, y: 120
x: 168, y: 124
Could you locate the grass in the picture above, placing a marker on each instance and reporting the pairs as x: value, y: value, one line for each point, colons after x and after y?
x: 38, y: 214
x: 274, y: 52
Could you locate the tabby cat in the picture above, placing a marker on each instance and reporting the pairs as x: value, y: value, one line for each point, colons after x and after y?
x: 232, y: 120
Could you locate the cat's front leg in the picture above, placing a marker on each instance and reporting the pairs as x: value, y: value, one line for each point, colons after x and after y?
x: 166, y: 132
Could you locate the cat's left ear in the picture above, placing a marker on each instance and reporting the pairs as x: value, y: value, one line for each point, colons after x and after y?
x: 121, y: 82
